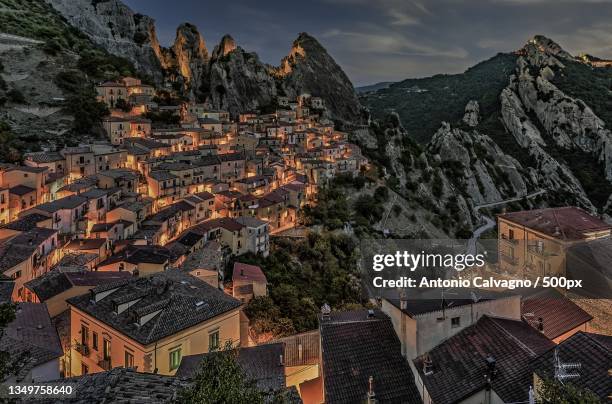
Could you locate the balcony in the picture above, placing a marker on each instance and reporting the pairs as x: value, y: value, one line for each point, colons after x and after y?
x: 105, y: 364
x: 82, y: 349
x: 507, y: 238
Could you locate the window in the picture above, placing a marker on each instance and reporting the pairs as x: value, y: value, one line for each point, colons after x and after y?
x: 129, y: 360
x: 213, y: 340
x: 510, y: 234
x: 94, y: 340
x: 16, y: 275
x: 175, y: 358
x: 106, y: 349
x: 84, y: 369
x: 84, y: 335
x: 455, y: 322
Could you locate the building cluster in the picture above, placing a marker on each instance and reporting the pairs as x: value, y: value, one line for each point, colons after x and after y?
x: 115, y: 254
x: 116, y: 249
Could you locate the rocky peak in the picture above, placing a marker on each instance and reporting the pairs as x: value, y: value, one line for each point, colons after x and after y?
x: 189, y: 55
x: 226, y: 46
x: 472, y: 111
x: 115, y: 27
x: 309, y: 68
x: 189, y: 41
x: 547, y: 46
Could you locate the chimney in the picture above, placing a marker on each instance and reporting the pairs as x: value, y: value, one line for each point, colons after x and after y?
x: 371, y: 395
x: 427, y: 365
x: 403, y: 300
x: 281, y: 360
x: 540, y: 324
x: 325, y: 311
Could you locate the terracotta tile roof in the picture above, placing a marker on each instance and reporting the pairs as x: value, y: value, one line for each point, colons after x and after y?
x: 565, y: 223
x: 223, y: 222
x: 355, y: 347
x: 558, y: 314
x: 593, y: 353
x: 460, y: 363
x: 246, y: 272
x: 86, y: 244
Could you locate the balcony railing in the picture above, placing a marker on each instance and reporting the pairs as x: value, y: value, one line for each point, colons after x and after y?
x: 83, y: 349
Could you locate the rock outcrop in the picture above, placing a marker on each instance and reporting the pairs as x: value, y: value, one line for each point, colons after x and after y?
x: 472, y: 114
x: 310, y: 69
x: 231, y: 78
x: 540, y: 116
x: 530, y: 102
x: 115, y: 27
x: 238, y: 80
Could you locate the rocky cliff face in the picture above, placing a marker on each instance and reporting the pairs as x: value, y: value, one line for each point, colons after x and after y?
x: 453, y: 175
x: 310, y: 69
x: 540, y: 147
x: 569, y: 122
x: 238, y: 80
x: 230, y: 78
x: 115, y: 27
x: 186, y: 62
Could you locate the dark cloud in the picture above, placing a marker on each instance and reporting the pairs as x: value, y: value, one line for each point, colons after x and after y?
x: 380, y: 40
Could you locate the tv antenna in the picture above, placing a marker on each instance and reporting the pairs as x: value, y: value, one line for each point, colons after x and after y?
x: 564, y: 371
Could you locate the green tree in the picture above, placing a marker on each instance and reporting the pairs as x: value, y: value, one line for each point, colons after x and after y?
x: 8, y: 152
x: 554, y: 392
x: 221, y: 380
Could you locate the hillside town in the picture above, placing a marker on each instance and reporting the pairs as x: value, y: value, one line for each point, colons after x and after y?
x: 117, y: 255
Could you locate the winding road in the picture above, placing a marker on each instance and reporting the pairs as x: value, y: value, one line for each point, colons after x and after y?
x: 490, y: 223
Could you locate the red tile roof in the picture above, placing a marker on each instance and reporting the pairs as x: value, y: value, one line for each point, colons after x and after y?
x: 559, y: 314
x: 565, y: 223
x: 246, y: 272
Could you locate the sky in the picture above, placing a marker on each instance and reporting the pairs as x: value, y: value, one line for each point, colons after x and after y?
x: 390, y: 40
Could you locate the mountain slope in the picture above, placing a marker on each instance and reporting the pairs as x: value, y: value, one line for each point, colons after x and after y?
x: 46, y: 78
x: 540, y: 105
x: 423, y: 103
